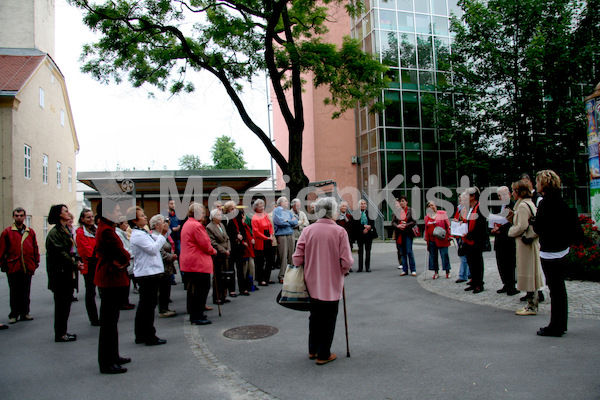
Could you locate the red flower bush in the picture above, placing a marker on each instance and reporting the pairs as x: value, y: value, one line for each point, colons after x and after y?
x: 584, y: 257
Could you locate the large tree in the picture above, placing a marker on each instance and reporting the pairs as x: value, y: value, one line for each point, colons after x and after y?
x: 521, y: 69
x: 225, y: 155
x: 156, y: 41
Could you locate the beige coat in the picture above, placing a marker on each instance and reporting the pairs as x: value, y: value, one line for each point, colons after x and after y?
x: 529, y: 271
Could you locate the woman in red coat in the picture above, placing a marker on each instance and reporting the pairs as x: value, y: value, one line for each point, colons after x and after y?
x: 196, y: 261
x: 435, y: 244
x: 86, y: 242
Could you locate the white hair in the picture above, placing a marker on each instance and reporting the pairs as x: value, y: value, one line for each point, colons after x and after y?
x: 155, y: 220
x: 214, y: 213
x: 503, y: 189
x: 326, y: 207
x: 281, y: 200
x: 294, y: 202
x: 257, y: 203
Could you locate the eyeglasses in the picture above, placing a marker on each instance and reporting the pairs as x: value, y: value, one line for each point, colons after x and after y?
x: 167, y: 219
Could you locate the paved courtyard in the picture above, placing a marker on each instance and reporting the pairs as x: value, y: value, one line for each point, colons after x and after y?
x: 410, y: 338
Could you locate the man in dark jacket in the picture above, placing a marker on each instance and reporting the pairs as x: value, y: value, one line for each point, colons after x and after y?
x: 504, y: 245
x: 475, y: 241
x: 19, y: 258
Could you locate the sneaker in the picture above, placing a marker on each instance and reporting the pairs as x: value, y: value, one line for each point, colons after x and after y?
x: 403, y: 273
x: 12, y: 321
x: 400, y: 267
x: 26, y: 317
x: 448, y: 275
x: 413, y: 273
x: 526, y: 311
x: 167, y: 314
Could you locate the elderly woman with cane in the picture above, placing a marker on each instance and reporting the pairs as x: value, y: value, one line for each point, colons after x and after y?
x: 324, y: 250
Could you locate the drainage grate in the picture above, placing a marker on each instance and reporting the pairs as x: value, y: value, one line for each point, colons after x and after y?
x: 250, y: 332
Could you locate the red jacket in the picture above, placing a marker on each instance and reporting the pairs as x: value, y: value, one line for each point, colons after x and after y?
x: 442, y: 221
x: 85, y: 247
x: 113, y: 259
x: 19, y: 252
x: 196, y: 251
x: 260, y: 224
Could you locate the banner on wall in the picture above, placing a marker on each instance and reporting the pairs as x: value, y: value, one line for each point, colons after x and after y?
x: 592, y: 107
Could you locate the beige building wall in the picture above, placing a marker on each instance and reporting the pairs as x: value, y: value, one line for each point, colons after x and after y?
x: 328, y: 145
x: 27, y: 24
x: 47, y: 134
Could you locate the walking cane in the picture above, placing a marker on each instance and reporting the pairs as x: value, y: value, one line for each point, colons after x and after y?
x: 218, y: 299
x: 346, y: 321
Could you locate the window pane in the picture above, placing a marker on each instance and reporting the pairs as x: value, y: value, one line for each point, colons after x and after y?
x: 392, y: 111
x: 426, y: 80
x: 408, y: 53
x: 389, y: 48
x: 448, y: 169
x: 406, y: 22
x: 427, y: 110
x: 387, y: 20
x: 405, y: 5
x: 439, y: 7
x: 394, y: 76
x: 395, y: 164
x: 422, y: 6
x: 440, y: 26
x: 391, y: 4
x: 430, y: 176
x: 425, y: 50
x: 423, y: 23
x: 442, y: 53
x: 412, y: 139
x: 429, y: 139
x: 393, y: 138
x: 410, y: 109
x: 413, y: 166
x: 409, y: 79
x: 373, y: 140
x: 364, y: 144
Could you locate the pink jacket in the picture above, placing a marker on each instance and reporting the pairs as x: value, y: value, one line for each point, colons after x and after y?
x: 324, y: 250
x: 196, y: 250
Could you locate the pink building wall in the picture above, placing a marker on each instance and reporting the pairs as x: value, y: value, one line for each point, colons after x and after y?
x: 328, y: 145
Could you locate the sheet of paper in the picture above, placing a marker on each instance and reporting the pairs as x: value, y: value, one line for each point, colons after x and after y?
x: 496, y: 219
x: 458, y: 228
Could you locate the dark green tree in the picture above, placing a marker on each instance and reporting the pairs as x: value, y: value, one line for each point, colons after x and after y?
x: 156, y: 41
x: 225, y: 155
x: 190, y: 162
x: 521, y: 69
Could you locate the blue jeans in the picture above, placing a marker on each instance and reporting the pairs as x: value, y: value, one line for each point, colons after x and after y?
x: 464, y: 273
x: 433, y: 257
x: 408, y: 258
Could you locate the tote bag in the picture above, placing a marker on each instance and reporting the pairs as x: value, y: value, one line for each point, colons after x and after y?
x: 294, y: 294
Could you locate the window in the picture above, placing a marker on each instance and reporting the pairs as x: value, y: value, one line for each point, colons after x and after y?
x: 28, y: 221
x: 27, y: 151
x: 45, y: 228
x: 41, y: 97
x: 62, y: 118
x: 45, y: 169
x: 58, y: 173
x: 70, y: 179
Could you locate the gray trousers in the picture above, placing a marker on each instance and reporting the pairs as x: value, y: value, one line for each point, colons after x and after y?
x: 285, y: 247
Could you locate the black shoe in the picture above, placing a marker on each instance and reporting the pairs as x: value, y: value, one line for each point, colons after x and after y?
x: 3, y: 327
x: 368, y: 270
x: 113, y: 369
x: 503, y: 290
x: 233, y: 295
x: 469, y: 288
x: 541, y: 297
x: 351, y: 270
x: 66, y: 338
x: 201, y: 322
x: 460, y: 280
x: 478, y: 289
x: 512, y: 292
x: 549, y: 332
x: 123, y: 360
x: 155, y: 342
x: 245, y: 294
x: 256, y: 289
x: 524, y: 298
x: 139, y: 341
x: 359, y: 270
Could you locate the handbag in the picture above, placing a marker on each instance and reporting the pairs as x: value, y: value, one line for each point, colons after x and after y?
x: 416, y: 231
x: 294, y: 294
x: 439, y: 232
x: 461, y: 249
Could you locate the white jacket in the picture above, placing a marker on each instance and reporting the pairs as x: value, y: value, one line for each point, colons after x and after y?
x: 146, y: 252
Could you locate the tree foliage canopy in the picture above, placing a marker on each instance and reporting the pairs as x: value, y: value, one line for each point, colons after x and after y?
x: 521, y: 69
x: 157, y: 41
x: 191, y: 162
x: 224, y: 156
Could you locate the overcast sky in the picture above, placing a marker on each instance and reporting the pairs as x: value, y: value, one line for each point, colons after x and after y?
x: 120, y: 125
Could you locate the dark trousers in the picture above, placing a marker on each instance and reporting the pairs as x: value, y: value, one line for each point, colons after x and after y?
x: 19, y: 284
x: 263, y: 262
x: 90, y: 297
x: 554, y: 270
x: 63, y: 297
x: 475, y: 261
x: 144, y: 316
x: 219, y: 283
x: 197, y: 292
x: 506, y: 258
x: 238, y: 262
x: 364, y: 244
x: 164, y: 293
x: 321, y: 327
x: 111, y: 300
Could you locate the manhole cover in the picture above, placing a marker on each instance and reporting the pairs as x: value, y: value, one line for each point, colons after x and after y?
x: 250, y: 332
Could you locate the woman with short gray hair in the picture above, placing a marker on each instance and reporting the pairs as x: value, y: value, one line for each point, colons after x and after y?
x: 324, y: 251
x: 168, y: 257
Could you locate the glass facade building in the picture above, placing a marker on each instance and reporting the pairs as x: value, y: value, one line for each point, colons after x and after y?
x: 412, y: 37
